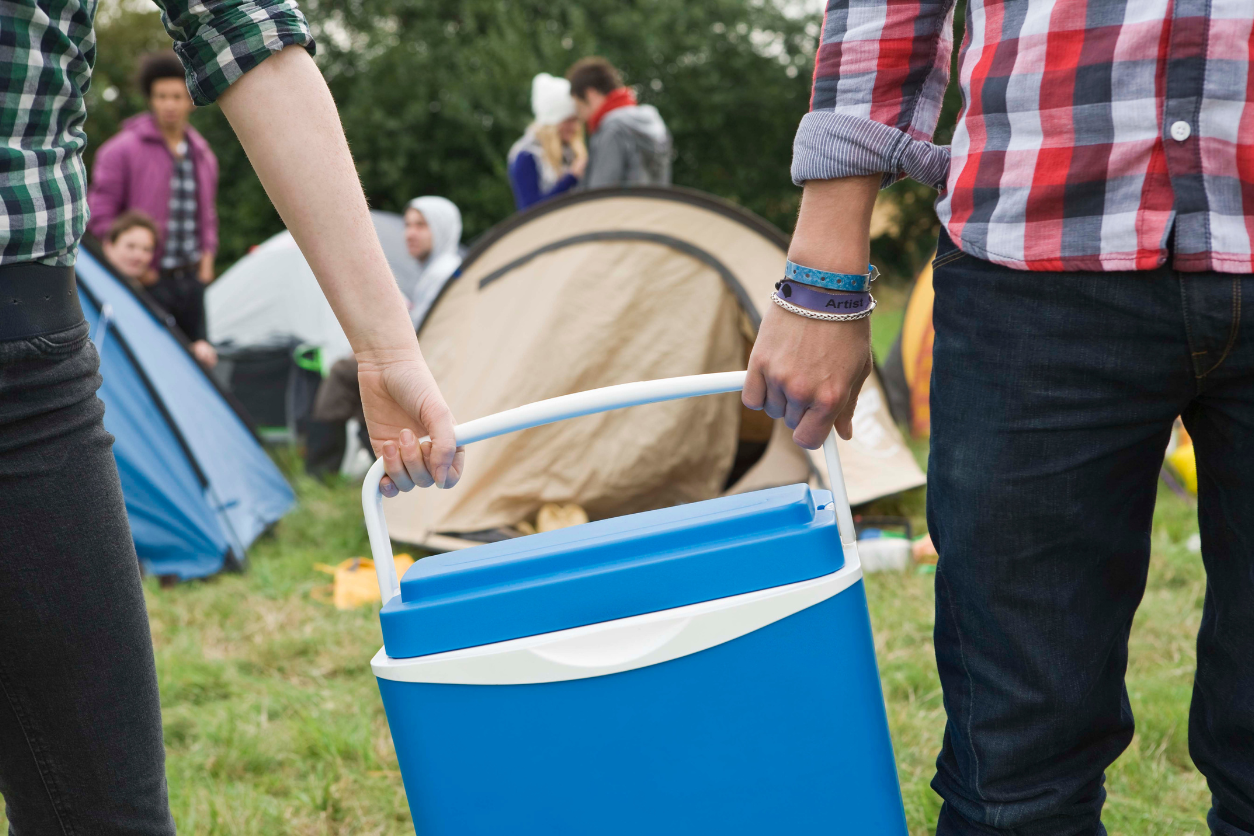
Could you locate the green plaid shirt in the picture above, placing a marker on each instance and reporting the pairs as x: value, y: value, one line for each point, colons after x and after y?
x: 47, y: 49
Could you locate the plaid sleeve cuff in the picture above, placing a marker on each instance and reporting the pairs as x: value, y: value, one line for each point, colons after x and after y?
x: 227, y: 38
x: 830, y: 145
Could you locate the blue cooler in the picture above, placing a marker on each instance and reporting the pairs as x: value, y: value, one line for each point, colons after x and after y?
x: 701, y: 669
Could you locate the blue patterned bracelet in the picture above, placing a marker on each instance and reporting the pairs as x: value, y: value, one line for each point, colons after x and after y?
x: 855, y: 282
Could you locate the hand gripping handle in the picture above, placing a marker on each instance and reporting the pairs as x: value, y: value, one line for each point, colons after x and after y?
x: 573, y: 406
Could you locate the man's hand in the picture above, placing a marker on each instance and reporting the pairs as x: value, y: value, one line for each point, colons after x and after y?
x: 205, y: 354
x: 402, y: 403
x: 205, y: 269
x: 809, y: 373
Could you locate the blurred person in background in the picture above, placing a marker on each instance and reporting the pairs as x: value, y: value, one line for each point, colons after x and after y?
x: 433, y: 236
x: 550, y: 157
x: 628, y: 143
x: 129, y: 246
x: 81, y: 748
x: 160, y: 165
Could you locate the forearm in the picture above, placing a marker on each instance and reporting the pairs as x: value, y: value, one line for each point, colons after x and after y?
x: 287, y: 122
x: 834, y: 225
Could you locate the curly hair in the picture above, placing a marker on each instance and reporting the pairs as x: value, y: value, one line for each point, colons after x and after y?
x: 158, y: 65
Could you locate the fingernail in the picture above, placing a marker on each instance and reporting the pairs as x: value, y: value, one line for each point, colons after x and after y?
x: 441, y: 476
x: 388, y: 490
x: 407, y: 438
x: 389, y: 449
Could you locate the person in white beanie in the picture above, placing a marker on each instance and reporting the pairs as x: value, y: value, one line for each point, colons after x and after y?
x: 550, y: 157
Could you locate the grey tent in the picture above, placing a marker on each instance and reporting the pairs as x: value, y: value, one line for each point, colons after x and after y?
x: 275, y: 332
x: 604, y: 287
x: 271, y: 294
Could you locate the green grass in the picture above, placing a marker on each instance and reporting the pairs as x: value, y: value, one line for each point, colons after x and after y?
x: 273, y: 723
x: 890, y: 310
x: 1153, y: 788
x: 272, y: 719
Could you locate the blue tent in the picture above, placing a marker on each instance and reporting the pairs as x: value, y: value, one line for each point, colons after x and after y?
x: 199, y: 488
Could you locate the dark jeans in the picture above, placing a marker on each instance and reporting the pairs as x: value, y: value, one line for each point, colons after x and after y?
x: 180, y: 293
x: 80, y: 723
x: 1053, y: 396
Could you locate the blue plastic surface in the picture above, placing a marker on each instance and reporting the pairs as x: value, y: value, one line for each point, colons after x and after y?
x: 612, y: 569
x: 781, y: 731
x: 181, y: 525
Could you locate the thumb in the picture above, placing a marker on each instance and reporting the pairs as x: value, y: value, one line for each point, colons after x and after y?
x: 844, y: 418
x: 440, y: 453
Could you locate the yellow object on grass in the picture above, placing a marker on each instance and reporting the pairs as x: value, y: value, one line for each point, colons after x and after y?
x: 553, y: 516
x: 354, y: 582
x: 1184, y: 463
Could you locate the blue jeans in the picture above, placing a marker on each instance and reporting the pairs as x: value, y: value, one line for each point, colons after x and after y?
x: 1053, y: 397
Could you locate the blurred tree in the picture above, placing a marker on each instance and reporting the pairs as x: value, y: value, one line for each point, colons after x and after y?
x: 434, y: 93
x: 126, y: 30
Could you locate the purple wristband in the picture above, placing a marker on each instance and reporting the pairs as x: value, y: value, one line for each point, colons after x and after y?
x: 804, y: 296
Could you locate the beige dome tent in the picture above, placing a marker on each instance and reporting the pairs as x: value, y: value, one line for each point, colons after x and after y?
x: 605, y: 287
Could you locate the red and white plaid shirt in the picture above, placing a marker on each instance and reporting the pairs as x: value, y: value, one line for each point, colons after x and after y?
x: 1091, y: 129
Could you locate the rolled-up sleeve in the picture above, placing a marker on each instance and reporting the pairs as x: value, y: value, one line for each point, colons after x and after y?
x: 220, y: 40
x: 879, y: 80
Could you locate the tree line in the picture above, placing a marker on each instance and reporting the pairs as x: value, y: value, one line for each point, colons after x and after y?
x: 433, y: 94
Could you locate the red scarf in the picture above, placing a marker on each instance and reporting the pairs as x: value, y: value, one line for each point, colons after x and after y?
x: 622, y: 97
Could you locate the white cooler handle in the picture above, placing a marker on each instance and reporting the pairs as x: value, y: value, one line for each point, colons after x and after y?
x: 573, y: 406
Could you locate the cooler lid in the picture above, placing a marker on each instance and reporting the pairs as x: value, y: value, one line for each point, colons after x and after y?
x: 612, y: 569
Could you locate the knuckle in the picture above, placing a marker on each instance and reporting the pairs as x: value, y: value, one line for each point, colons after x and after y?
x: 798, y: 392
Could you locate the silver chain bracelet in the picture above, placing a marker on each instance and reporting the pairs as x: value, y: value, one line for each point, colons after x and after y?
x: 824, y: 317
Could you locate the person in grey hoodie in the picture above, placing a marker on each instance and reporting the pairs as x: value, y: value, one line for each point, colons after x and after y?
x: 628, y: 143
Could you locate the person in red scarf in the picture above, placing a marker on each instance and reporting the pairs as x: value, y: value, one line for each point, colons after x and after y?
x: 628, y: 143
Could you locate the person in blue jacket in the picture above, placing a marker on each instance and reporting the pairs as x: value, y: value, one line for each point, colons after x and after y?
x: 550, y: 157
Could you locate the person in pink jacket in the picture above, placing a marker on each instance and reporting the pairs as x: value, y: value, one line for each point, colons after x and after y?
x: 159, y: 165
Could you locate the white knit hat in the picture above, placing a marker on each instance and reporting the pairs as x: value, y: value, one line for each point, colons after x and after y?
x: 550, y: 99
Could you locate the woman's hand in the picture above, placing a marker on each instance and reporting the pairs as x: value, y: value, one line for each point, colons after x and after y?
x: 402, y: 403
x: 286, y: 120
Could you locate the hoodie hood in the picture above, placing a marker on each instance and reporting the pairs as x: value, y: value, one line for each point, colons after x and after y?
x: 644, y: 123
x: 445, y: 221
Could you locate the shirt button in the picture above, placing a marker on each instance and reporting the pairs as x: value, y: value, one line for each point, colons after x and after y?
x: 1180, y: 131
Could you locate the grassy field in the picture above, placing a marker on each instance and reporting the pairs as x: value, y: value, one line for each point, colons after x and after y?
x: 273, y: 723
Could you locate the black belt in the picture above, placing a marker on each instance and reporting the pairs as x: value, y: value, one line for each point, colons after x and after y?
x: 37, y: 299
